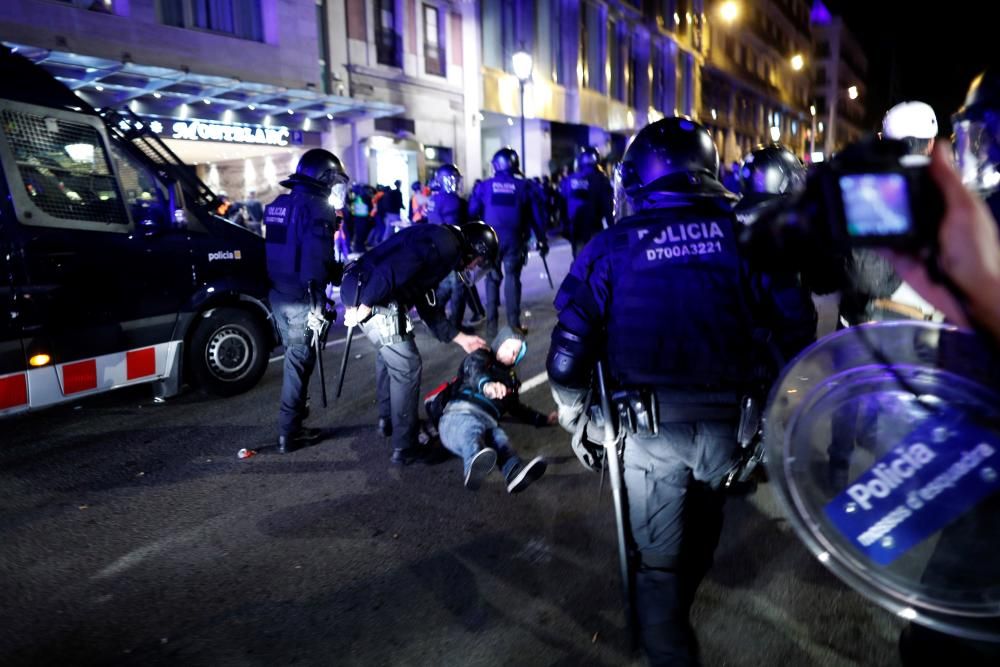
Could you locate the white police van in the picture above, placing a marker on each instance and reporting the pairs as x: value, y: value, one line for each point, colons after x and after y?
x: 114, y: 269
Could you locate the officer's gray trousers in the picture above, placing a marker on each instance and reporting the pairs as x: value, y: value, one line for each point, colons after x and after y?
x: 673, y: 482
x: 397, y: 385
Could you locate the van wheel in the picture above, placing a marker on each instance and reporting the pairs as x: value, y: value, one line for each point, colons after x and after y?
x: 228, y: 353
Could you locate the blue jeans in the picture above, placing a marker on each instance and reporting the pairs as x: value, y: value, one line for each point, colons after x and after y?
x: 513, y: 262
x: 673, y: 482
x: 464, y: 433
x: 300, y: 359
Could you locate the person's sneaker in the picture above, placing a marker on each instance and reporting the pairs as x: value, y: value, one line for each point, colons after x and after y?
x: 384, y: 427
x: 479, y: 467
x: 524, y: 474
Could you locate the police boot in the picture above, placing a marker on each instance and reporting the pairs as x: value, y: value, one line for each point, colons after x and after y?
x: 406, y: 456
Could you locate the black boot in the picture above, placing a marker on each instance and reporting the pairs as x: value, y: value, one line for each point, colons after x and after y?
x: 384, y: 427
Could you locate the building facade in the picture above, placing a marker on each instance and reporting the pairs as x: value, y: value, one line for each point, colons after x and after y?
x: 756, y: 83
x: 841, y: 72
x: 239, y: 88
x: 602, y: 70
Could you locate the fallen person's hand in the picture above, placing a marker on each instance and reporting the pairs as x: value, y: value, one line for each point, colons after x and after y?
x: 495, y: 390
x: 553, y: 418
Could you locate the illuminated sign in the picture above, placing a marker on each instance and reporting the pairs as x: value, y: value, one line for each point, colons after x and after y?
x: 199, y: 130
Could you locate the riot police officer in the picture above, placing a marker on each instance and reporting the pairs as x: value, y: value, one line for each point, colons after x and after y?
x: 448, y: 207
x: 384, y: 284
x: 298, y: 232
x: 508, y: 203
x: 587, y: 198
x: 669, y: 308
x: 768, y: 174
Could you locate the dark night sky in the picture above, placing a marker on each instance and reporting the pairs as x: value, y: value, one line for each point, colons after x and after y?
x: 922, y: 50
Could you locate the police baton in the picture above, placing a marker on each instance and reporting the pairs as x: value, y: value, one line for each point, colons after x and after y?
x: 615, y: 474
x: 317, y: 342
x: 547, y: 274
x: 347, y: 345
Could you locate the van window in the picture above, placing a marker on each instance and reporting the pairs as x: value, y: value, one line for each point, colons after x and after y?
x: 145, y: 196
x: 65, y: 168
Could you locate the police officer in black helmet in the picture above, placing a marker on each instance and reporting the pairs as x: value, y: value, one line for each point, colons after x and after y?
x: 510, y: 204
x: 382, y: 286
x: 448, y: 207
x: 768, y: 174
x: 667, y: 305
x: 586, y: 198
x: 298, y: 231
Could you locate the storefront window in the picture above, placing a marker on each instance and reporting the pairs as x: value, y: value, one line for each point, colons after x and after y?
x: 239, y: 18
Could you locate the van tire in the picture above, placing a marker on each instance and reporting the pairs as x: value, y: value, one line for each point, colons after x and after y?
x: 228, y: 351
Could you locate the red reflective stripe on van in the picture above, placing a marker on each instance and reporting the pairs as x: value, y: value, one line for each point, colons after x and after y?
x: 140, y: 363
x: 13, y: 391
x: 80, y: 376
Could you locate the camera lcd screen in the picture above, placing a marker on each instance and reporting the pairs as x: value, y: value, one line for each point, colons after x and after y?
x: 876, y: 205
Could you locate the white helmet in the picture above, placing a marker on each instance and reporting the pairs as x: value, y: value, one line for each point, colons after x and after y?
x: 910, y: 119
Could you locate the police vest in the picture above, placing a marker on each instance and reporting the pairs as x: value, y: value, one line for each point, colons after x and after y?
x: 298, y: 241
x: 504, y: 209
x: 446, y: 208
x: 678, y: 313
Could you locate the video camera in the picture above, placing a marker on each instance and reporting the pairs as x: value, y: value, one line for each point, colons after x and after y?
x: 873, y: 194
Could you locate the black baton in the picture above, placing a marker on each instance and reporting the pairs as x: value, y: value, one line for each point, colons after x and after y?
x: 614, y: 466
x: 317, y: 343
x: 347, y: 345
x: 547, y: 274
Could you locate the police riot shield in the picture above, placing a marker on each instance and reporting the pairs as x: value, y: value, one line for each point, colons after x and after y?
x: 883, y: 444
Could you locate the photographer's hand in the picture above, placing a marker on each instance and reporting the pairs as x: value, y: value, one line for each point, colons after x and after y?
x: 968, y: 253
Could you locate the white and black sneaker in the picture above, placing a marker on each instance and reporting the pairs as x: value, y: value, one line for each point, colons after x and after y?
x: 524, y: 474
x: 479, y: 467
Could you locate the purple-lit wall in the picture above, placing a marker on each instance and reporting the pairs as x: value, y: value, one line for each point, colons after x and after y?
x: 136, y: 30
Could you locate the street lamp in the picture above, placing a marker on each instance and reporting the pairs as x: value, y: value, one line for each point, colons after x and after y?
x: 852, y: 92
x: 523, y: 64
x: 729, y: 11
x: 798, y: 62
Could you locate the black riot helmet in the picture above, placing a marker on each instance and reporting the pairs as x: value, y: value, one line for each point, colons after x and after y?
x: 977, y: 133
x: 480, y: 241
x: 506, y: 160
x: 321, y: 168
x: 771, y: 171
x: 673, y: 158
x: 448, y: 179
x: 587, y: 158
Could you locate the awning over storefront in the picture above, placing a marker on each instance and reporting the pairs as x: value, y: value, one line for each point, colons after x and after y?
x: 173, y: 93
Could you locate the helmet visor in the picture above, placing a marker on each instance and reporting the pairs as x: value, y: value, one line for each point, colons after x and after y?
x: 338, y: 195
x: 623, y: 205
x: 977, y: 154
x: 451, y: 183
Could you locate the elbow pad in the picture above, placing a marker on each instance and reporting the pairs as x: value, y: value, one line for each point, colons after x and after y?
x: 568, y: 363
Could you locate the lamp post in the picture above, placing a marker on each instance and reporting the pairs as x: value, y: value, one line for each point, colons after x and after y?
x: 523, y: 64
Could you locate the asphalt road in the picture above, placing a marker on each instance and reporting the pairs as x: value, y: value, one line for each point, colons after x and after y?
x: 131, y: 534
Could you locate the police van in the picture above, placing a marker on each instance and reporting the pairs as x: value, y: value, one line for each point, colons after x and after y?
x: 114, y: 268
